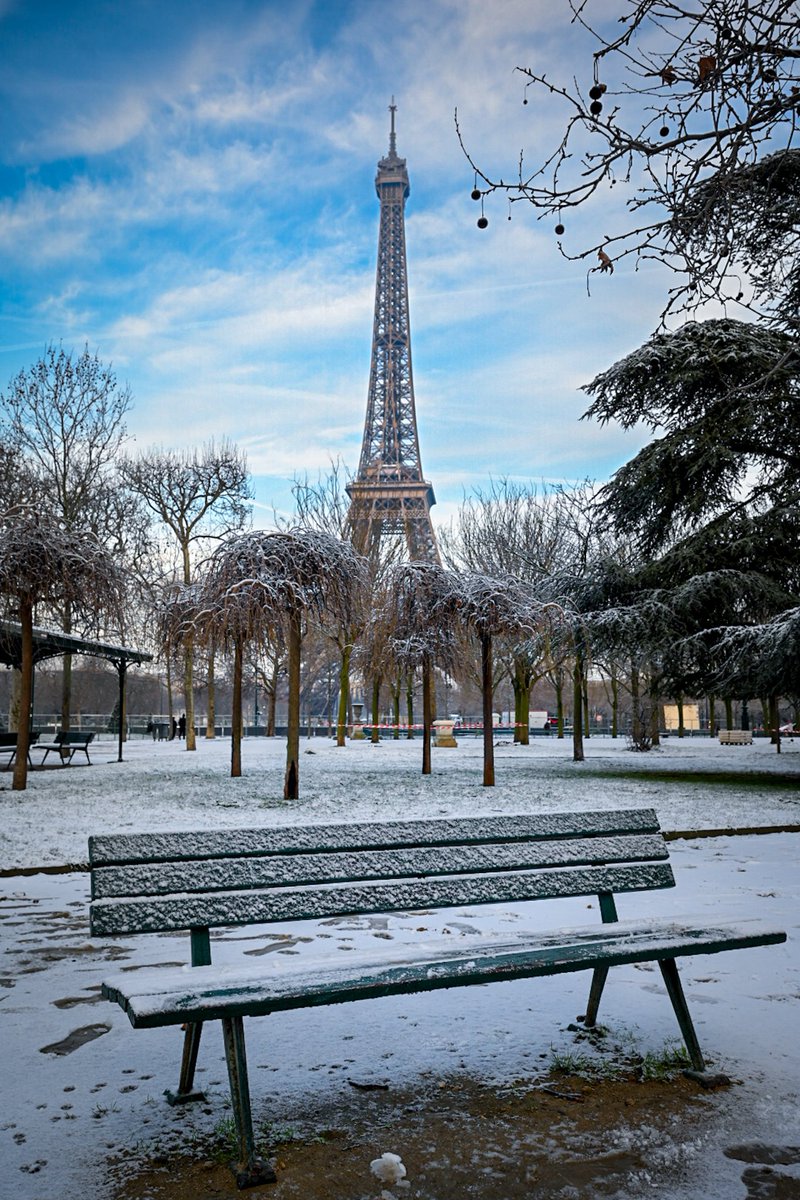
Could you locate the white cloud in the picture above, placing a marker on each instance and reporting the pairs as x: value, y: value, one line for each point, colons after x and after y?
x: 218, y: 240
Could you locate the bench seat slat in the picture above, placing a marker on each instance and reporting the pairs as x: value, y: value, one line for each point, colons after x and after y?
x: 154, y: 914
x: 155, y: 998
x: 230, y: 874
x: 110, y: 849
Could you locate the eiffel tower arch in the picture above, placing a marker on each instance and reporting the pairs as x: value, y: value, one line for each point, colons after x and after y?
x: 389, y: 497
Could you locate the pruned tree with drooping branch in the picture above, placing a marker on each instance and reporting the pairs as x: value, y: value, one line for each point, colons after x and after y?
x: 522, y: 530
x: 324, y: 505
x: 419, y: 620
x: 490, y: 606
x: 258, y: 581
x: 690, y: 114
x: 42, y: 561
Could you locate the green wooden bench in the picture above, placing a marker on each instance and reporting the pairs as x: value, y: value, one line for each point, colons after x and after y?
x: 197, y: 881
x: 8, y: 745
x: 67, y: 743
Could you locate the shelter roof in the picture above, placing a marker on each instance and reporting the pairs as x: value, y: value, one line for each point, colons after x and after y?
x: 49, y: 644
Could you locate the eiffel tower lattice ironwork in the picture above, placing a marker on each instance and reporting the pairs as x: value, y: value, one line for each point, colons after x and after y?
x: 388, y: 495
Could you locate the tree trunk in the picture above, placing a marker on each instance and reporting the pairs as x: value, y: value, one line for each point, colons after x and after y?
x: 410, y: 706
x: 236, y: 709
x: 376, y: 709
x: 272, y: 705
x: 636, y: 715
x: 211, y: 706
x: 188, y: 690
x: 558, y: 684
x: 20, y: 780
x: 775, y: 722
x: 515, y: 684
x: 66, y: 691
x: 66, y: 675
x: 614, y: 706
x: 291, y: 783
x: 521, y: 681
x: 587, y: 727
x: 344, y: 696
x: 728, y: 712
x: 712, y: 715
x: 396, y: 709
x: 525, y: 714
x: 427, y: 714
x: 681, y: 727
x: 14, y: 700
x: 486, y: 691
x: 170, y: 706
x: 577, y: 709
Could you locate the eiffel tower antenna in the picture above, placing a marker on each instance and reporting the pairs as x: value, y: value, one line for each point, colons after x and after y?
x: 389, y: 496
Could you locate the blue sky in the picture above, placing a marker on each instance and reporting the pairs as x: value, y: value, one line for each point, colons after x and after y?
x: 188, y: 187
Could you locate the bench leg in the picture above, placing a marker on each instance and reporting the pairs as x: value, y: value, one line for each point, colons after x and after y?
x: 599, y: 976
x: 186, y: 1092
x: 669, y: 970
x: 250, y: 1171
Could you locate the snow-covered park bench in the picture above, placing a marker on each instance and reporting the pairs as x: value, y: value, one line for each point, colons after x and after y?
x: 67, y: 743
x: 198, y: 881
x: 735, y: 737
x: 8, y: 745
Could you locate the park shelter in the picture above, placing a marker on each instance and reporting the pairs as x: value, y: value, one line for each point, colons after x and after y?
x: 51, y: 644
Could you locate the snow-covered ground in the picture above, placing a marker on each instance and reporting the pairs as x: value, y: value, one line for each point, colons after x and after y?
x: 162, y: 786
x: 78, y: 1084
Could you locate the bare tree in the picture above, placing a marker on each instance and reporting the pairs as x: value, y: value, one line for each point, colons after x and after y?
x: 691, y: 114
x: 418, y: 615
x: 513, y: 529
x: 42, y: 561
x: 198, y: 495
x: 66, y: 416
x: 261, y: 581
x: 490, y: 606
x: 325, y: 506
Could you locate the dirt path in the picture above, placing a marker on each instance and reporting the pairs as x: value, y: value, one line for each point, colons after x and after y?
x: 577, y: 1140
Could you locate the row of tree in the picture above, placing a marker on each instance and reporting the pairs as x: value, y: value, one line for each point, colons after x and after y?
x: 680, y: 575
x: 537, y: 583
x: 691, y: 116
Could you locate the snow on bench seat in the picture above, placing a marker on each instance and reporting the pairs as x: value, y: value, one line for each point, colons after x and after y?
x: 152, y: 998
x: 200, y: 880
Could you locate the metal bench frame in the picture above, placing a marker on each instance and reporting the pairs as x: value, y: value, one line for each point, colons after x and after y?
x: 8, y: 745
x: 201, y: 880
x: 66, y: 744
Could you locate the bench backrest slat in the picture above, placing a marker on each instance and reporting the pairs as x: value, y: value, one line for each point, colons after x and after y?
x: 231, y: 874
x: 73, y: 737
x: 157, y: 913
x: 11, y: 738
x: 109, y: 849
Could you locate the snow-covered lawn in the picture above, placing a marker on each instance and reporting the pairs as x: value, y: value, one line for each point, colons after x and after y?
x: 162, y: 786
x: 78, y: 1084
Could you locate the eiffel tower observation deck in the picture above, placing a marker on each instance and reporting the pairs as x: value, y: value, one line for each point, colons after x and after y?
x: 389, y: 496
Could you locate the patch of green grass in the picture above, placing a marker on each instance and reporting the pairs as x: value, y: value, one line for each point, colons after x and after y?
x: 671, y: 1060
x: 268, y: 1137
x: 620, y: 1059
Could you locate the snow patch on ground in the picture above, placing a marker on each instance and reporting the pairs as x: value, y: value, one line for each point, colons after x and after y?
x: 78, y: 1084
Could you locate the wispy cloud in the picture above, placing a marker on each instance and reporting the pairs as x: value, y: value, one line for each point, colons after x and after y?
x: 194, y: 197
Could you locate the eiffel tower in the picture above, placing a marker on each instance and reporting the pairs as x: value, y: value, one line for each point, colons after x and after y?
x: 389, y: 496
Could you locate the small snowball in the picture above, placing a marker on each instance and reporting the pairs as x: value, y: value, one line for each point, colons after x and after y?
x: 388, y: 1168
